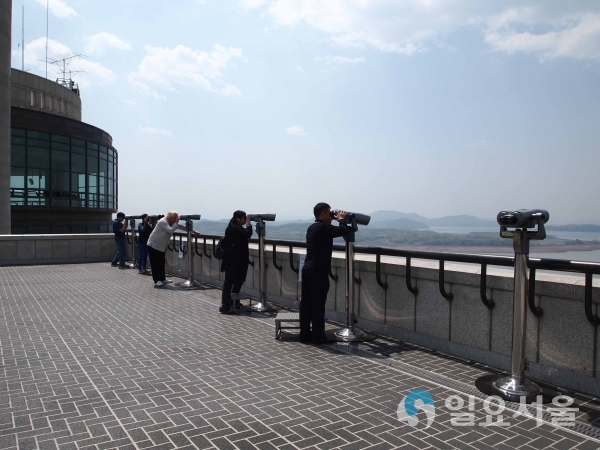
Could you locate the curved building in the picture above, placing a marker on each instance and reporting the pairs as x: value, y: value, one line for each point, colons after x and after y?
x: 63, y: 175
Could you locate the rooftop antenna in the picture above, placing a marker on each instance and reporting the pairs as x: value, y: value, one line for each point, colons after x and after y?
x: 62, y: 62
x: 23, y: 40
x: 47, y: 6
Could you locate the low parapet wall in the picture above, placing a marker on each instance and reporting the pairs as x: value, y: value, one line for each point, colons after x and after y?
x: 32, y: 249
x: 562, y: 345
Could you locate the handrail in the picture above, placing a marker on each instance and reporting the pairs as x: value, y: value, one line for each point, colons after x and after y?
x: 278, y: 267
x: 489, y: 303
x: 169, y: 246
x: 181, y: 247
x: 536, y: 311
x: 196, y: 247
x: 587, y: 268
x: 204, y: 248
x: 175, y: 243
x: 128, y: 236
x: 447, y: 295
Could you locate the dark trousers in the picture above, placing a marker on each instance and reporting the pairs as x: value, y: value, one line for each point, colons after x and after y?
x: 235, y: 275
x: 142, y: 255
x: 157, y: 262
x: 315, y: 286
x: 120, y: 255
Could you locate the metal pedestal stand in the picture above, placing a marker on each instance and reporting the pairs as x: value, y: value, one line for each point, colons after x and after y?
x: 515, y: 386
x: 262, y: 272
x: 133, y: 263
x: 350, y: 333
x: 189, y: 283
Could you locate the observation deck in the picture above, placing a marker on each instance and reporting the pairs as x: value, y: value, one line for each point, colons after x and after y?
x: 95, y: 357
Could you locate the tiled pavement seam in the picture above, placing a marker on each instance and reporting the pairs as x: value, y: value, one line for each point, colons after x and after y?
x: 301, y: 399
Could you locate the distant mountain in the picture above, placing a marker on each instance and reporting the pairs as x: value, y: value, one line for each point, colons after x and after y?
x: 399, y: 224
x: 447, y: 221
x: 589, y: 228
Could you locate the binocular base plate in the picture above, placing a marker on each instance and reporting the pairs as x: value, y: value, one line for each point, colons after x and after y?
x: 351, y: 335
x: 508, y: 388
x: 261, y: 307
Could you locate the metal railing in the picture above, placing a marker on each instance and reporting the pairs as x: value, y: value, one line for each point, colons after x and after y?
x: 586, y: 268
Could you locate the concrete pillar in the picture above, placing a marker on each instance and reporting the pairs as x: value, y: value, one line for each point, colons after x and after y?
x: 5, y: 47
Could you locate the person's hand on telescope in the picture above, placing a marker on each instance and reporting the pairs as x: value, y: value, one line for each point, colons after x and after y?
x: 248, y: 220
x: 196, y: 233
x: 340, y: 215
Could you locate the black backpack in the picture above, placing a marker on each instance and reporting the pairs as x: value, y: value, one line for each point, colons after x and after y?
x: 223, y: 248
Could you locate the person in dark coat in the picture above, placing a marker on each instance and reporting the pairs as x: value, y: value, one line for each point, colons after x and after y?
x: 144, y: 231
x: 315, y: 272
x: 235, y: 260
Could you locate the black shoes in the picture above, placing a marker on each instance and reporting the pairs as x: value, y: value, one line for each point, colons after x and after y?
x: 226, y: 311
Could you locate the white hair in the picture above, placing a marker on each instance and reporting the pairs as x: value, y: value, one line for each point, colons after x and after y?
x: 171, y: 214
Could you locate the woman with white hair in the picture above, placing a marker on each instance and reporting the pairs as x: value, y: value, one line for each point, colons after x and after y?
x: 157, y: 244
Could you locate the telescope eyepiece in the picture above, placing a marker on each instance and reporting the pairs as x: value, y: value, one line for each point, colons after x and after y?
x: 523, y: 218
x: 264, y: 217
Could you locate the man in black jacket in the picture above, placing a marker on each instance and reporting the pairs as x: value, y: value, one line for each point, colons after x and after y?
x: 235, y: 260
x: 315, y: 273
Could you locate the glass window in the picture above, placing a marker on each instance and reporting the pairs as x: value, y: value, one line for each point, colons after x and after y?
x: 38, y: 135
x: 18, y: 140
x: 102, y: 203
x: 38, y: 158
x: 78, y: 190
x: 60, y: 160
x: 102, y: 185
x: 38, y: 230
x: 78, y: 142
x: 65, y: 229
x: 103, y: 156
x: 103, y: 168
x: 17, y: 186
x: 110, y: 188
x: 59, y: 146
x: 38, y: 143
x: 37, y: 184
x: 93, y: 153
x: 111, y: 172
x: 92, y: 145
x: 78, y: 229
x: 60, y: 181
x: 59, y: 138
x: 92, y: 191
x: 103, y: 149
x: 93, y: 229
x: 17, y: 132
x: 79, y: 150
x: 92, y: 165
x: 17, y: 155
x: 18, y: 230
x: 77, y: 163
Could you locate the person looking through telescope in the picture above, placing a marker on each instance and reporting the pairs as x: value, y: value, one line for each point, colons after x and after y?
x: 119, y: 226
x: 144, y: 230
x: 235, y: 259
x: 315, y: 273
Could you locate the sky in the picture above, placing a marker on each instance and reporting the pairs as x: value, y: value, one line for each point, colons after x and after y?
x: 426, y: 106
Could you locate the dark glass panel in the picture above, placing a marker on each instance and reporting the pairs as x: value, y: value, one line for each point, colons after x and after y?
x: 103, y: 149
x: 78, y: 229
x: 59, y: 146
x: 38, y: 143
x: 78, y: 142
x: 38, y: 158
x: 103, y: 168
x: 92, y: 165
x: 18, y: 230
x: 75, y: 149
x: 18, y: 140
x: 93, y: 153
x: 60, y: 181
x: 60, y: 160
x: 17, y: 132
x: 59, y: 138
x: 38, y: 135
x: 92, y: 145
x: 38, y: 230
x: 77, y: 163
x: 17, y: 155
x: 65, y: 229
x: 111, y: 170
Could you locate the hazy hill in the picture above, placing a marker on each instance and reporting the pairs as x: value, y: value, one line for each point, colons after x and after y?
x: 462, y: 220
x: 398, y: 224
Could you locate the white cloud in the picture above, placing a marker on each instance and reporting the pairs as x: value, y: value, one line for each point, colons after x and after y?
x: 165, y: 68
x: 35, y: 53
x: 296, y: 130
x: 338, y: 60
x: 155, y: 131
x: 546, y: 28
x: 58, y: 8
x: 98, y: 43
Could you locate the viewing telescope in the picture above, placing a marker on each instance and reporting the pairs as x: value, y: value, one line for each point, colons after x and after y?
x: 156, y: 217
x: 522, y: 218
x: 264, y: 217
x: 190, y: 217
x: 132, y: 217
x: 361, y: 219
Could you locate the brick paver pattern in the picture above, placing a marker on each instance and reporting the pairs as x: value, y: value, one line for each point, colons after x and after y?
x: 96, y: 358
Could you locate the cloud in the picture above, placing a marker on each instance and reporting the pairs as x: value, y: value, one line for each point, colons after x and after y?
x: 296, y: 130
x: 98, y: 43
x: 155, y: 131
x: 93, y: 73
x: 58, y: 8
x: 545, y: 28
x: 166, y: 68
x: 339, y: 60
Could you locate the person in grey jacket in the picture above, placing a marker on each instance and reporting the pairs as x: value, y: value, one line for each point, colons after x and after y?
x: 157, y: 244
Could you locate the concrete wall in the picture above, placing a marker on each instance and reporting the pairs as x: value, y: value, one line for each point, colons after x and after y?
x: 31, y: 91
x: 563, y: 348
x: 5, y: 48
x: 56, y: 248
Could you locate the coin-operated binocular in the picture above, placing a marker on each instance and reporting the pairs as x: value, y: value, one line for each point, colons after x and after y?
x: 132, y: 219
x: 189, y: 227
x: 350, y: 333
x: 261, y: 230
x: 518, y: 225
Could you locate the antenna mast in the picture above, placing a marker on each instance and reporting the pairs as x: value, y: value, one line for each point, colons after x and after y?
x: 23, y: 40
x: 65, y: 78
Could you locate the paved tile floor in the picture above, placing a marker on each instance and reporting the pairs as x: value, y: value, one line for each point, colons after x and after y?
x: 95, y: 358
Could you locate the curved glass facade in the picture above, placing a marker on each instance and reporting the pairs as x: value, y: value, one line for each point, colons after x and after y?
x: 54, y: 170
